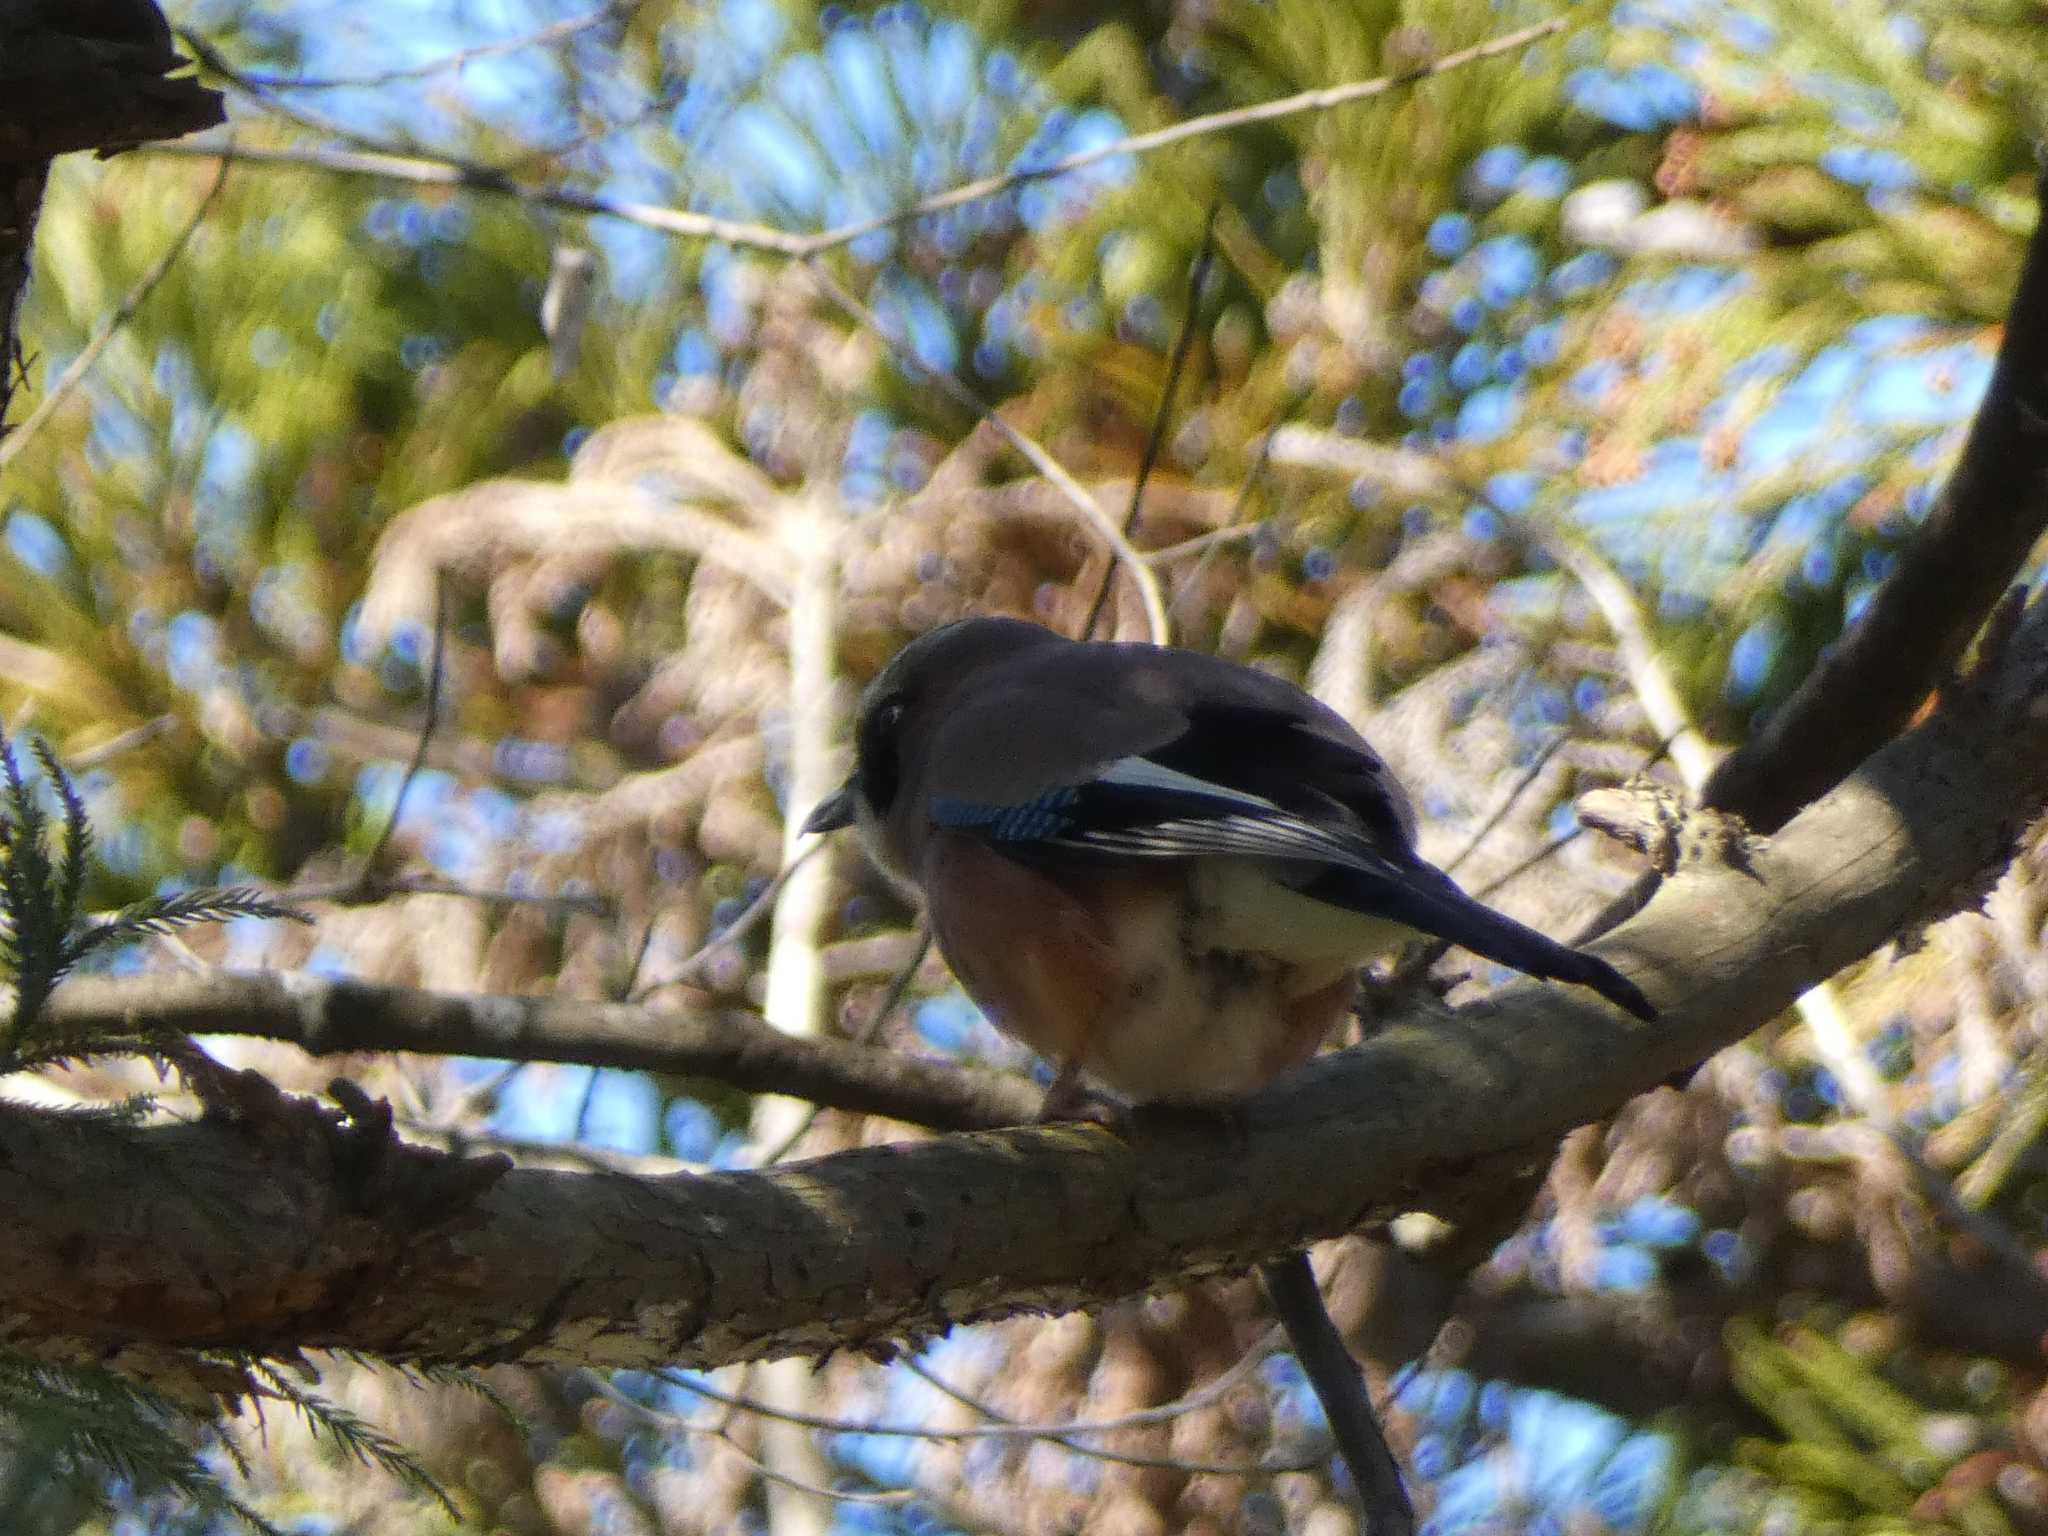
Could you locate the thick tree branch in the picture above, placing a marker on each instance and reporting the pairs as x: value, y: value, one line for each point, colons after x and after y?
x: 239, y: 1235
x: 342, y: 1017
x: 1989, y: 518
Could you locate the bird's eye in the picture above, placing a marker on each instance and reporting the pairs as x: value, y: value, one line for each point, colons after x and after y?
x: 877, y: 752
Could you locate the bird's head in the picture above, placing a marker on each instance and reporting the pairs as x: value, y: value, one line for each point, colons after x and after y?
x: 898, y: 712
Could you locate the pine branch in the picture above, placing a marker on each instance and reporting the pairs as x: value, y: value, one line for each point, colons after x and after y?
x: 463, y: 1378
x: 40, y: 895
x: 98, y: 1426
x: 164, y: 914
x: 356, y: 1436
x: 77, y: 830
x: 33, y: 948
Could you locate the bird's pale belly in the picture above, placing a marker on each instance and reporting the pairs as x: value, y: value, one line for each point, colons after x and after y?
x: 1179, y: 982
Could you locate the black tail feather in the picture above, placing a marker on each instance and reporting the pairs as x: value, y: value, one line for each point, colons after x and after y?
x: 1428, y: 899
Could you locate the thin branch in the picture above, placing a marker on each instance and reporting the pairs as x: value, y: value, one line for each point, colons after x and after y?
x: 888, y: 1497
x: 1206, y: 546
x: 1063, y: 1438
x: 732, y: 933
x: 554, y: 32
x: 1652, y: 680
x: 130, y: 740
x: 999, y: 1428
x: 448, y: 172
x: 55, y: 394
x: 1200, y: 543
x: 427, y: 726
x: 429, y: 172
x: 341, y: 1017
x: 392, y: 1251
x: 892, y: 999
x: 1162, y: 416
x: 1500, y: 812
x: 1142, y: 576
x: 367, y: 889
x: 1320, y: 100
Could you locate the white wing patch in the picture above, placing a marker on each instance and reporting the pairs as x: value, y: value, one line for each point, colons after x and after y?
x: 1276, y: 836
x: 1143, y: 773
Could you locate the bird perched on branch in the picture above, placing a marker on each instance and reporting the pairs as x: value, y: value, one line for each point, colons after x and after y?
x: 1162, y: 870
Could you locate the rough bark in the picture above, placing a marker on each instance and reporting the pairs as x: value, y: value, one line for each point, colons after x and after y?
x: 269, y: 1229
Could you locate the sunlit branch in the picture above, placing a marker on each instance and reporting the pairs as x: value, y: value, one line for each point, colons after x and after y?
x: 429, y: 172
x: 441, y: 171
x: 1651, y: 679
x: 1320, y: 100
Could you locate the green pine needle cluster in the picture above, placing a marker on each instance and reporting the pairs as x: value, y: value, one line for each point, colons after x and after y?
x: 43, y: 935
x: 93, y: 1429
x: 98, y: 1429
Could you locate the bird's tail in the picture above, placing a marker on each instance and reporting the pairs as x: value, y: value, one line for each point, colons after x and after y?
x: 1426, y: 898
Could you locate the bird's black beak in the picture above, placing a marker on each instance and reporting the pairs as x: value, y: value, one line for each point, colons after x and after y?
x: 836, y: 810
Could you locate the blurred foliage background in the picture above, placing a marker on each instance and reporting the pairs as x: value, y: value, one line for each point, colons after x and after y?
x: 1698, y: 294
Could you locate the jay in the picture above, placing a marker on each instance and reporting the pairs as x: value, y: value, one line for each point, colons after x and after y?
x: 1151, y: 865
x: 1162, y: 870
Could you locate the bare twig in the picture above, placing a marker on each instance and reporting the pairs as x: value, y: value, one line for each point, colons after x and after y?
x: 427, y: 726
x: 1201, y: 543
x: 1195, y: 127
x: 1500, y: 812
x: 56, y: 393
x: 366, y: 888
x: 447, y: 172
x: 1162, y: 416
x: 130, y: 740
x: 1206, y: 546
x: 748, y: 920
x: 1141, y: 574
x: 1001, y: 1428
x: 892, y: 998
x: 554, y: 32
x: 426, y: 171
x: 1065, y: 1441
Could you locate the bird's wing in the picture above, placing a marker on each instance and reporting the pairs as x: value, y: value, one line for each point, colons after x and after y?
x: 1155, y: 753
x: 1115, y: 765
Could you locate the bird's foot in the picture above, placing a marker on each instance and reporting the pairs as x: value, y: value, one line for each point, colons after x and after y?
x: 1067, y: 1097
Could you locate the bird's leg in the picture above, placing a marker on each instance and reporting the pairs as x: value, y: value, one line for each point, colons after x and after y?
x: 1067, y: 1097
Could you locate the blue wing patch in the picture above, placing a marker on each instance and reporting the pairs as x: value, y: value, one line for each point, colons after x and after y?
x: 1041, y: 820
